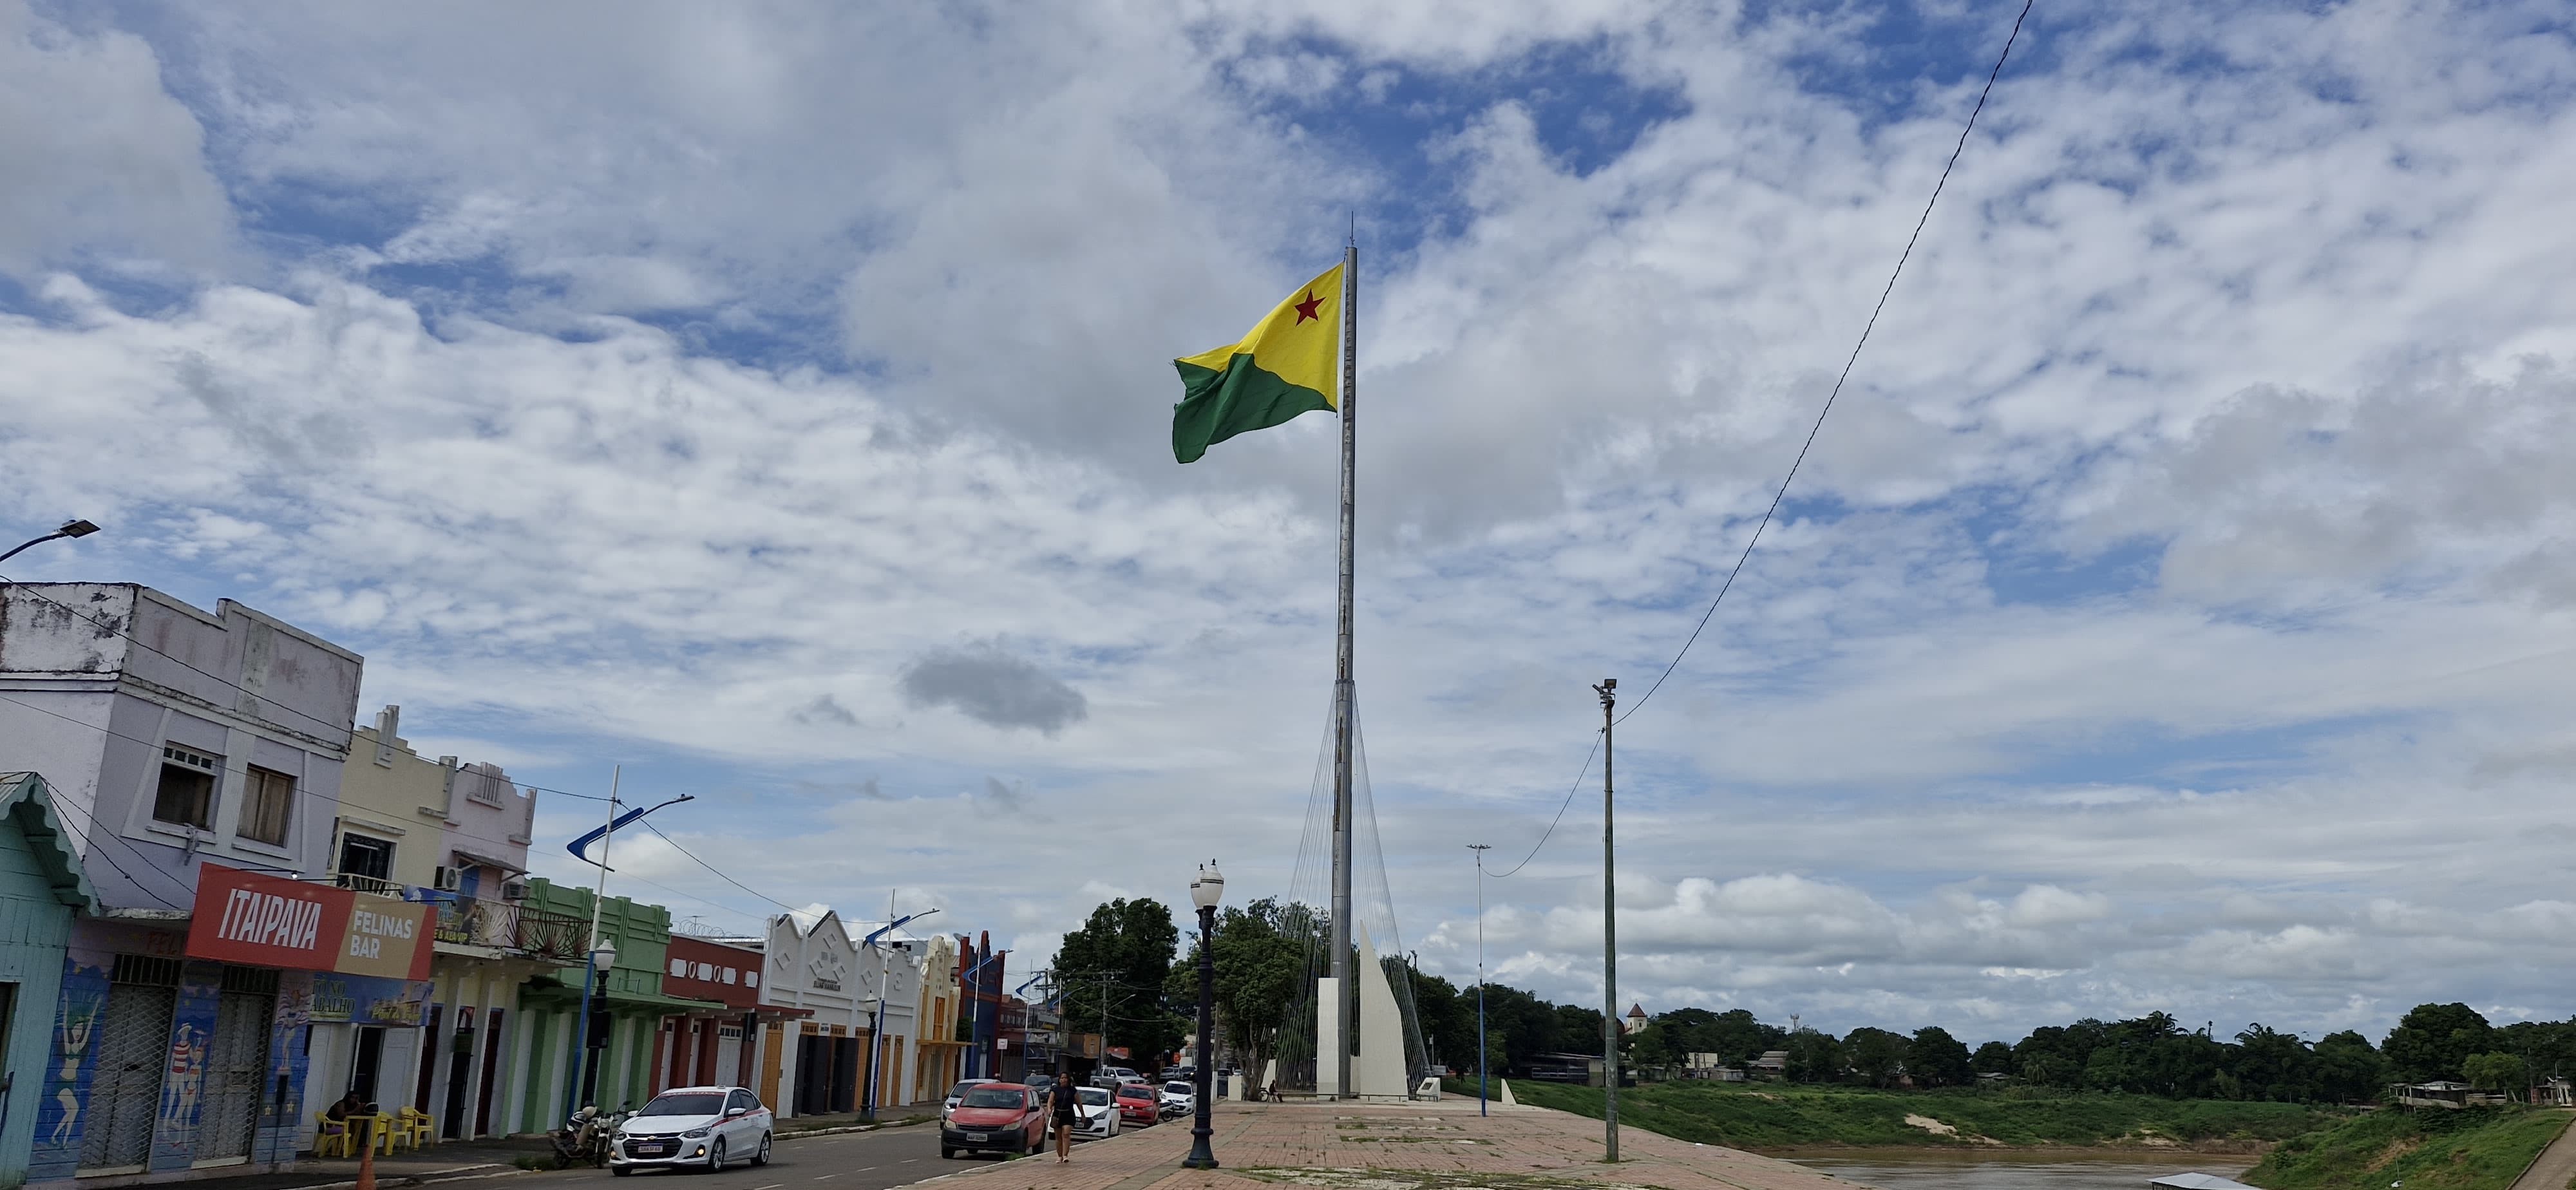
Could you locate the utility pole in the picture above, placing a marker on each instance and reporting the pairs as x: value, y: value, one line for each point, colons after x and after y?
x: 1609, y: 692
x: 1480, y: 849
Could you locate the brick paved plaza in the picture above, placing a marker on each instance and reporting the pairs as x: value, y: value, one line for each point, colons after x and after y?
x: 1397, y: 1147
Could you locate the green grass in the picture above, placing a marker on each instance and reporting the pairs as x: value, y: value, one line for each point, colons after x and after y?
x: 2476, y: 1149
x: 1777, y: 1115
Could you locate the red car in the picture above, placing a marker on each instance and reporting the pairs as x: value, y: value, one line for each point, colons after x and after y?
x: 1137, y: 1104
x: 995, y: 1118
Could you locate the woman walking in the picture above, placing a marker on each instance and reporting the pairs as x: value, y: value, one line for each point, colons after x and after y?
x: 1062, y: 1098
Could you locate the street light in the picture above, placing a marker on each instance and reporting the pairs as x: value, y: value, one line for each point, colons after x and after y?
x: 876, y: 1025
x: 70, y: 528
x: 1205, y: 892
x: 602, y: 958
x: 1480, y: 849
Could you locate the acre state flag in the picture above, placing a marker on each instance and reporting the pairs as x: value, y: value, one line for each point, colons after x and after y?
x: 1287, y: 365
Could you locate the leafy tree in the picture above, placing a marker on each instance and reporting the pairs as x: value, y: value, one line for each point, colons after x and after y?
x: 1814, y: 1057
x: 1994, y: 1057
x: 2496, y: 1072
x: 1261, y: 953
x: 2347, y: 1069
x: 2432, y: 1041
x: 1116, y: 966
x: 2272, y: 1065
x: 1936, y: 1059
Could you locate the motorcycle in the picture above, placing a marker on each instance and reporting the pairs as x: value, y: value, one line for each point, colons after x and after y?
x: 586, y: 1137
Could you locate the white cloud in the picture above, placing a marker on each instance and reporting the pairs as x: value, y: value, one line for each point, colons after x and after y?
x: 2257, y: 312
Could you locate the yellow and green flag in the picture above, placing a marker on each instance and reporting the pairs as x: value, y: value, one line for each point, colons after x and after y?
x: 1286, y: 366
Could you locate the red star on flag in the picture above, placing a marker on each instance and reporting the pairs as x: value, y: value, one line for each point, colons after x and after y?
x: 1306, y: 309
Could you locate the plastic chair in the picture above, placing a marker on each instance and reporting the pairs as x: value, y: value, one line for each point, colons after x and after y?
x: 413, y: 1127
x: 330, y: 1137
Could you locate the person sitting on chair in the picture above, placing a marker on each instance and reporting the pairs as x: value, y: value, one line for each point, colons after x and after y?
x: 349, y: 1105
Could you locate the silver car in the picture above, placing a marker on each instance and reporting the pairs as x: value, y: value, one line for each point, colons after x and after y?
x: 693, y: 1128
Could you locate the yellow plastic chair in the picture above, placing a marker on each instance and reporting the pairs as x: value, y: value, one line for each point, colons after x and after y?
x: 383, y: 1132
x: 330, y: 1137
x: 413, y: 1127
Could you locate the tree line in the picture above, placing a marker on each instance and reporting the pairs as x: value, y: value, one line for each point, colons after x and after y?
x: 1124, y: 965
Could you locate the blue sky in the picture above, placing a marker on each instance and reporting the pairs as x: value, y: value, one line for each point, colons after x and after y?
x: 775, y: 403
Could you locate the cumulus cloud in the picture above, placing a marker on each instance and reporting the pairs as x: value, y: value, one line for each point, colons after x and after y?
x: 992, y: 685
x: 2172, y: 615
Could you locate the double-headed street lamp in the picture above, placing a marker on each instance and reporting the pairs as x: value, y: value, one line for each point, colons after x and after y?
x: 70, y: 528
x: 1205, y: 892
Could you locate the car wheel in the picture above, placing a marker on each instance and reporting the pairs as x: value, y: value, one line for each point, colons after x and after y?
x: 761, y: 1157
x: 715, y: 1156
x: 947, y: 1154
x: 623, y: 1171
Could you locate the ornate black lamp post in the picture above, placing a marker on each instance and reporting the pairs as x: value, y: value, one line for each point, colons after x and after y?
x: 1205, y: 892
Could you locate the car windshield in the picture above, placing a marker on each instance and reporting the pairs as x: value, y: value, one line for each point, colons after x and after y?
x: 1095, y: 1096
x: 990, y: 1097
x: 1133, y: 1091
x: 699, y: 1103
x: 1179, y: 1088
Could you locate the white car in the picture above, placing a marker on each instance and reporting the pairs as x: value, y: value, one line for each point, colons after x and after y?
x: 693, y: 1128
x: 958, y: 1092
x: 1179, y: 1099
x: 1096, y: 1115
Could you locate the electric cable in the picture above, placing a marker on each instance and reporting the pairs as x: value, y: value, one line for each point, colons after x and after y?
x: 1560, y: 810
x: 1812, y: 431
x: 675, y: 846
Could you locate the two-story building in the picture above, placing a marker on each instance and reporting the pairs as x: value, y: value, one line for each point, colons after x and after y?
x: 614, y: 1066
x: 940, y: 1048
x: 719, y: 1045
x: 455, y: 837
x: 195, y: 757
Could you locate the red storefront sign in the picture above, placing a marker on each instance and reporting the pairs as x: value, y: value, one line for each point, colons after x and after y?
x: 244, y: 917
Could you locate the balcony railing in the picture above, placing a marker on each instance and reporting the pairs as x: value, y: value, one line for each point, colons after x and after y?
x: 367, y: 884
x: 510, y: 925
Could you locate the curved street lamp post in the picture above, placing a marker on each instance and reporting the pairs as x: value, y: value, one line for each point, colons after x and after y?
x: 1205, y: 891
x: 70, y: 528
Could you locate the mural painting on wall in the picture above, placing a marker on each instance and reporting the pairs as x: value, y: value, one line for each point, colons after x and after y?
x: 368, y: 999
x: 75, y: 1059
x: 280, y: 1129
x: 174, y: 1134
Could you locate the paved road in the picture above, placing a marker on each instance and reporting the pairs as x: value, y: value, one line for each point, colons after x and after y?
x: 851, y: 1161
x: 2557, y: 1164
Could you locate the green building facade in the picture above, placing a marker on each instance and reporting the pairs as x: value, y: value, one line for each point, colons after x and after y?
x: 42, y: 886
x: 629, y: 1001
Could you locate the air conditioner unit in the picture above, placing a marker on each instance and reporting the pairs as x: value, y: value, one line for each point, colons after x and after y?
x: 448, y: 879
x: 515, y: 890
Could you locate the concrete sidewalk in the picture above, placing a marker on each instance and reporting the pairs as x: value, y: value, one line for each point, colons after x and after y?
x: 456, y: 1160
x: 1263, y: 1146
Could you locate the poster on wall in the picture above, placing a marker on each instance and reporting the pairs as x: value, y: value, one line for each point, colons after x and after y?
x: 245, y: 917
x: 368, y: 1000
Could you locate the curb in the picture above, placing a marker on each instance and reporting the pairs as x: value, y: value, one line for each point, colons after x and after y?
x: 458, y: 1173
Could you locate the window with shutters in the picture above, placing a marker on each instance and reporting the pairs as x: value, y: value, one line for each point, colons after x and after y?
x: 186, y: 796
x: 267, y: 803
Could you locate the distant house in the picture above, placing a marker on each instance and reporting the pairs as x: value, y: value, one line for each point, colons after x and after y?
x: 2553, y: 1092
x: 1772, y: 1064
x: 2441, y: 1093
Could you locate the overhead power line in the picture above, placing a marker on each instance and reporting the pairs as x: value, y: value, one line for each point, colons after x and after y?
x: 1812, y: 431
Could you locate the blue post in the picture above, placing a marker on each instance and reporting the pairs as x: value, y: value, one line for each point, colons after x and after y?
x: 580, y: 1037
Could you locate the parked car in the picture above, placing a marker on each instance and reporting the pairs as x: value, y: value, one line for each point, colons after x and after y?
x: 693, y: 1127
x: 1138, y: 1104
x: 993, y: 1117
x: 1180, y: 1099
x: 1114, y: 1076
x: 1096, y: 1114
x: 1181, y: 1074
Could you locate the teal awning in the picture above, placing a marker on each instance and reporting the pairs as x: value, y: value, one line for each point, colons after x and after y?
x: 26, y: 800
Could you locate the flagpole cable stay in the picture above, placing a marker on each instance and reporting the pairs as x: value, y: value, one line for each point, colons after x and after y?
x: 1866, y: 328
x: 1768, y: 513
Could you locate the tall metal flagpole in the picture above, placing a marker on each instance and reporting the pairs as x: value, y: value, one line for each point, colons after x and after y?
x: 1342, y: 689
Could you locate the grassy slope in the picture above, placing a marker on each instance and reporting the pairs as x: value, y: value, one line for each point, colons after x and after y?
x: 1774, y: 1116
x: 2428, y: 1150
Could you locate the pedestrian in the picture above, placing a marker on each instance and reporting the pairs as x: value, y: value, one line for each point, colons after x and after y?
x: 1061, y: 1100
